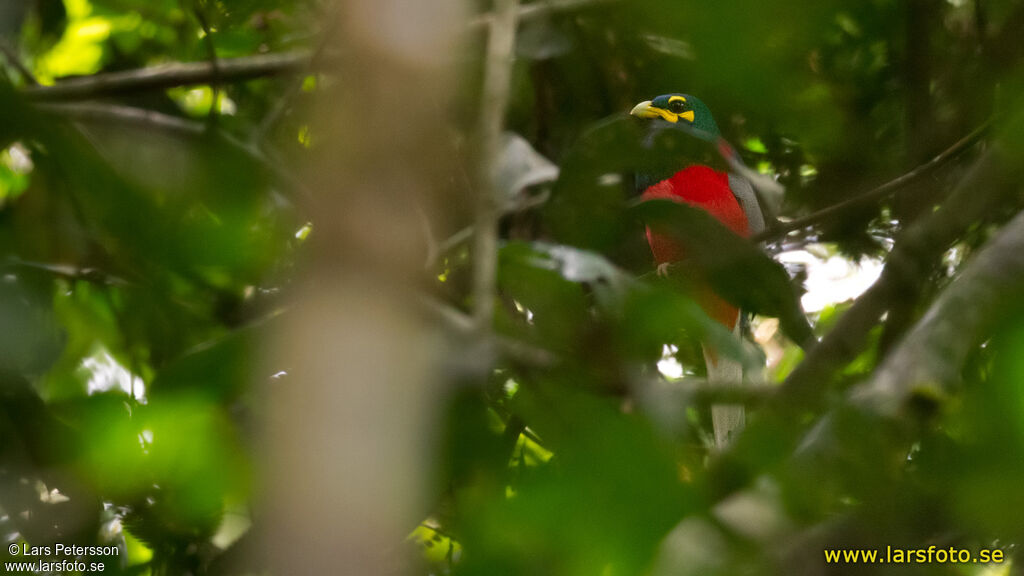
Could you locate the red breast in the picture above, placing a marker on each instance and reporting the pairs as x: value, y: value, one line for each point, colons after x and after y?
x: 708, y: 189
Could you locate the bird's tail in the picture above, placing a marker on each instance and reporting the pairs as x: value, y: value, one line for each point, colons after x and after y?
x: 727, y: 419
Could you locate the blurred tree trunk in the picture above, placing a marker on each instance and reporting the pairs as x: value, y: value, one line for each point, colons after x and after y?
x: 348, y: 431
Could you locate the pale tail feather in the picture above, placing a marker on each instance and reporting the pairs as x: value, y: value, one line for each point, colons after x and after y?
x: 728, y: 419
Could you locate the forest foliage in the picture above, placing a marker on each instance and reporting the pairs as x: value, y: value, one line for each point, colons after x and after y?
x: 157, y: 208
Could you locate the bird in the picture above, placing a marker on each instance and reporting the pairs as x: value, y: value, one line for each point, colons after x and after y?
x: 726, y: 194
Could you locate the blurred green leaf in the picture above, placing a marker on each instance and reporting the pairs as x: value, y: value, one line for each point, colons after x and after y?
x: 604, y: 502
x: 735, y: 268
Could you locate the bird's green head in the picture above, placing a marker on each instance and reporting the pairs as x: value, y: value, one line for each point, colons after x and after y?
x: 676, y: 108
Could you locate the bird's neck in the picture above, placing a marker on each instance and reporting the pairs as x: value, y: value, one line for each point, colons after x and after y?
x: 646, y: 178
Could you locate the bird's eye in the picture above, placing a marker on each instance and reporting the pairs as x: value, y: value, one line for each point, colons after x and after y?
x: 677, y: 106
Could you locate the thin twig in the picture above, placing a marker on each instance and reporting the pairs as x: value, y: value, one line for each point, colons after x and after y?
x: 450, y: 243
x: 67, y: 271
x: 428, y: 235
x: 889, y: 187
x: 465, y: 234
x: 462, y: 325
x: 498, y: 74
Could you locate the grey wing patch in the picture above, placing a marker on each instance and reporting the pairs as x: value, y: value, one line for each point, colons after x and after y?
x: 747, y: 198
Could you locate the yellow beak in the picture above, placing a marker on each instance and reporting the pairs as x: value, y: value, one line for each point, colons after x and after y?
x: 646, y: 110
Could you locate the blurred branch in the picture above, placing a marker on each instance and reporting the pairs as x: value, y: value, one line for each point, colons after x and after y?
x: 919, y: 375
x: 170, y: 76
x: 930, y: 358
x: 449, y: 243
x: 236, y: 69
x: 100, y: 277
x: 14, y: 60
x: 355, y: 305
x: 536, y: 10
x: 882, y: 191
x: 68, y: 271
x: 498, y: 74
x: 86, y: 111
x: 701, y: 391
x: 912, y: 258
x: 126, y: 115
x: 428, y: 235
x: 690, y: 388
x: 465, y: 234
x: 314, y: 63
x: 462, y: 325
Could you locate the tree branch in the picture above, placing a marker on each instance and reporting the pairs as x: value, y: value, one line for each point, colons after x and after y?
x: 911, y: 259
x: 882, y: 191
x: 14, y: 60
x: 170, y: 76
x: 462, y: 325
x: 928, y: 361
x: 86, y: 111
x: 314, y: 62
x: 912, y: 383
x: 142, y: 117
x: 237, y: 69
x: 700, y: 391
x: 500, y: 47
x: 464, y: 234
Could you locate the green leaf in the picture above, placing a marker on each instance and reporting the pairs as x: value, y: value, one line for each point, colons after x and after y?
x: 603, y: 503
x: 736, y: 269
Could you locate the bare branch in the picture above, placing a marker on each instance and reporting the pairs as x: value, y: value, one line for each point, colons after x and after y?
x: 69, y: 271
x: 500, y: 47
x: 462, y: 325
x: 170, y: 76
x: 237, y: 69
x: 127, y: 115
x: 465, y: 234
x: 914, y: 255
x: 701, y: 391
x: 882, y: 191
x: 448, y: 244
x: 87, y: 111
x: 929, y: 360
x: 314, y: 62
x: 14, y: 60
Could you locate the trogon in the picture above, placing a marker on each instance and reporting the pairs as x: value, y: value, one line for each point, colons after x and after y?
x: 724, y: 194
